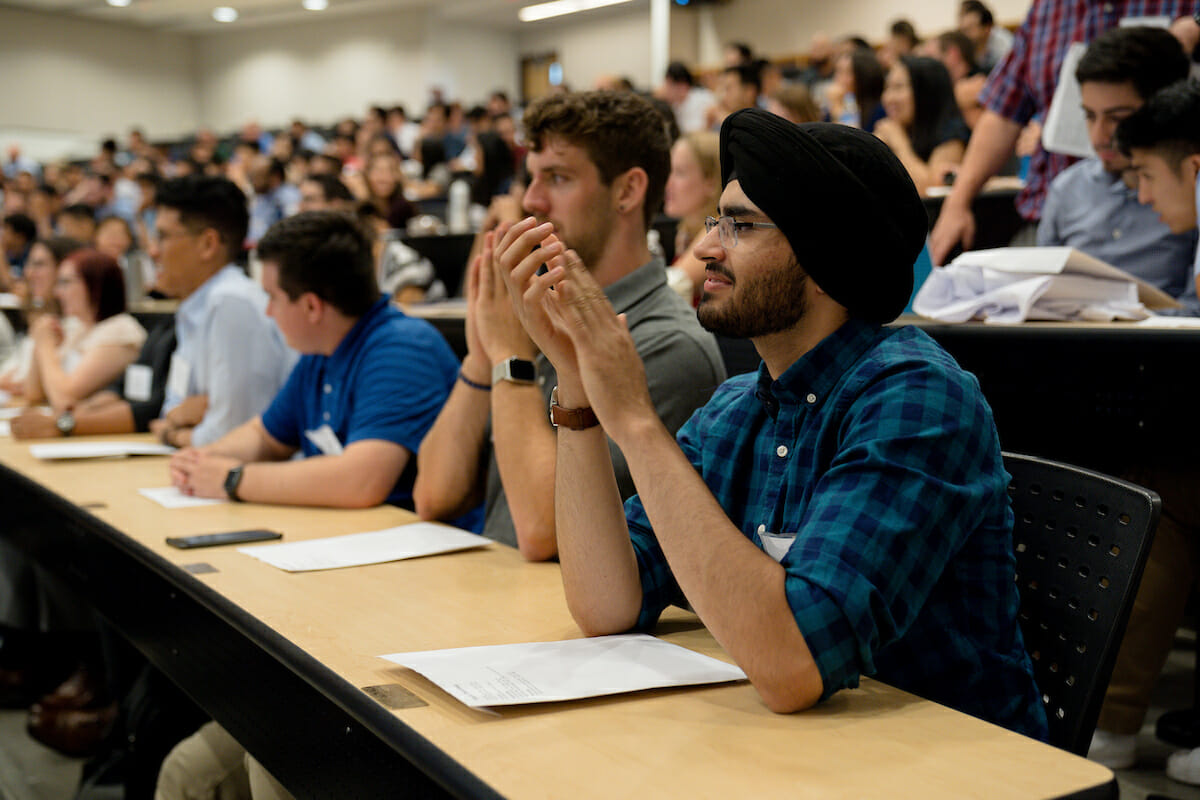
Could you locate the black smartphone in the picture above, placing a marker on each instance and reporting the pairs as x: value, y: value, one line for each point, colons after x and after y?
x: 213, y: 539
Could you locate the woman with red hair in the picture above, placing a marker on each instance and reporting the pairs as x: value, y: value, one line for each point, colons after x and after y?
x: 66, y: 369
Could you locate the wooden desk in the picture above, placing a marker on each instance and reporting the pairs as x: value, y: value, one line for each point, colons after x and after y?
x: 277, y: 657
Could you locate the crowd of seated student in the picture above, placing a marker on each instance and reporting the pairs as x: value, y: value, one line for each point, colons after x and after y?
x: 917, y: 113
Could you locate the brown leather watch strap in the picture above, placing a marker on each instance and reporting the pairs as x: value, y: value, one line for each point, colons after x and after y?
x: 576, y: 419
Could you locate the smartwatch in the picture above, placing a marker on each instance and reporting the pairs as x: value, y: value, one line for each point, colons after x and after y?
x: 65, y: 423
x: 232, y: 480
x: 575, y: 419
x: 516, y: 370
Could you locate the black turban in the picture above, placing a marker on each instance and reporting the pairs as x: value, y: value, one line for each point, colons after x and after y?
x: 845, y: 203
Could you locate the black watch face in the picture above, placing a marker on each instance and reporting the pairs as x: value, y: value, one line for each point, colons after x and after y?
x: 522, y: 370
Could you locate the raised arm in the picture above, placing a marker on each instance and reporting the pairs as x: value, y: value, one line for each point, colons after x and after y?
x: 737, y: 590
x: 992, y: 142
x: 451, y: 464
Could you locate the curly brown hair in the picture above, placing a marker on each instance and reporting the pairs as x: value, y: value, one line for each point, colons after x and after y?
x: 618, y: 130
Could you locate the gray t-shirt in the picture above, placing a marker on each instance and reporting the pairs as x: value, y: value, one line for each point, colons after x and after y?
x: 683, y: 368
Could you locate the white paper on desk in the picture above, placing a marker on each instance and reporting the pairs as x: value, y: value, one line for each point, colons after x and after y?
x: 1061, y: 261
x: 63, y: 450
x: 550, y: 672
x: 171, y: 497
x: 1170, y: 322
x: 5, y: 428
x: 375, y: 547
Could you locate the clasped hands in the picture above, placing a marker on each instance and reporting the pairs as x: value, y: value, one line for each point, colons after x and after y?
x: 569, y: 318
x: 200, y: 474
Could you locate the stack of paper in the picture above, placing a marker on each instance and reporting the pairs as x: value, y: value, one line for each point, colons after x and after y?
x: 1014, y: 284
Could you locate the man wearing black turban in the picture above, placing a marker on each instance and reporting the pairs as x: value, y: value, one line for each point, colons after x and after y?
x: 841, y: 512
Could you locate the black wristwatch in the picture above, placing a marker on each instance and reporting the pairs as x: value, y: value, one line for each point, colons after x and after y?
x: 232, y: 480
x: 65, y: 423
x: 515, y: 370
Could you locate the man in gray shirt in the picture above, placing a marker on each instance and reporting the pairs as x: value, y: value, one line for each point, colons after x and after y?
x: 598, y: 166
x: 1093, y: 205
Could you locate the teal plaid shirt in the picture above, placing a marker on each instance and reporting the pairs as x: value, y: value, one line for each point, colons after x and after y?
x: 879, y: 452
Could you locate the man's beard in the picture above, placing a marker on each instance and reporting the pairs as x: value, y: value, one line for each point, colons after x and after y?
x: 769, y: 303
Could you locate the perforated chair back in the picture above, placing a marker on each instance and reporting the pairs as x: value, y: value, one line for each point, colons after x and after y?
x: 1081, y: 541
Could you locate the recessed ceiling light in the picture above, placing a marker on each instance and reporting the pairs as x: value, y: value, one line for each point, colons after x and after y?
x: 119, y: 3
x: 225, y: 14
x: 559, y: 7
x: 315, y: 5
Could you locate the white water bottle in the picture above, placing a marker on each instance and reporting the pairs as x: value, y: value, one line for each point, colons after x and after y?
x: 457, y: 205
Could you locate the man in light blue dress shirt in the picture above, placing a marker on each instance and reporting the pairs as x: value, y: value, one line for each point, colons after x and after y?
x: 230, y: 360
x: 1162, y: 140
x: 1093, y: 205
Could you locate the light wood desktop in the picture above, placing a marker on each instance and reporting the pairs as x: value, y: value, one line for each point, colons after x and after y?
x: 702, y: 742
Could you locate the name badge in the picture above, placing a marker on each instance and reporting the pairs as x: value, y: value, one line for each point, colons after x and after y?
x: 179, y: 377
x: 776, y: 545
x: 139, y: 379
x: 1156, y: 21
x: 325, y: 440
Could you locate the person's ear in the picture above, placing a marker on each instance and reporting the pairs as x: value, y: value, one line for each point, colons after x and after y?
x: 211, y: 244
x: 1191, y: 166
x: 314, y: 307
x: 630, y: 189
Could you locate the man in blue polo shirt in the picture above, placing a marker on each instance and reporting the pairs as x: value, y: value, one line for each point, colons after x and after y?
x: 357, y: 404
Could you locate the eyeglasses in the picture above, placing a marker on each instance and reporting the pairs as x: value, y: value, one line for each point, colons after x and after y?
x: 728, y: 227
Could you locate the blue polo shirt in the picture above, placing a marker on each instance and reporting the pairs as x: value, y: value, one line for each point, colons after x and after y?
x: 388, y: 379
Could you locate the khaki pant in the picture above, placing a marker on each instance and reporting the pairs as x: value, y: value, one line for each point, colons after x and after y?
x: 1170, y: 576
x: 211, y: 765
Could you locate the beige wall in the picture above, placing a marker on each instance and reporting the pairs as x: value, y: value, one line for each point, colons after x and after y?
x: 341, y: 65
x: 66, y: 77
x: 74, y: 80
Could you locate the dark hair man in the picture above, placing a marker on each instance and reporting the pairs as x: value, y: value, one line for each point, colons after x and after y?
x: 1092, y: 206
x: 903, y: 38
x: 1162, y: 141
x: 1019, y: 90
x: 325, y: 193
x: 841, y: 512
x: 17, y: 234
x: 689, y: 102
x: 369, y: 384
x: 738, y: 87
x: 229, y: 359
x: 992, y: 43
x: 598, y: 165
x: 77, y: 221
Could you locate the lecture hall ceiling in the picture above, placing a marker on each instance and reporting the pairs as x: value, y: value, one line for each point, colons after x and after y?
x: 195, y: 16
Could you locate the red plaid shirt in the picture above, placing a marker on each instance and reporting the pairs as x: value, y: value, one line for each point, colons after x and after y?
x: 1021, y: 86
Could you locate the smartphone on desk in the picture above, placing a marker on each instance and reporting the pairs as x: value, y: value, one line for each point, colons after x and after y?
x: 230, y: 537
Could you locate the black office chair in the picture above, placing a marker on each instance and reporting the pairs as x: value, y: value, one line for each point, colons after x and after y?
x: 1081, y: 541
